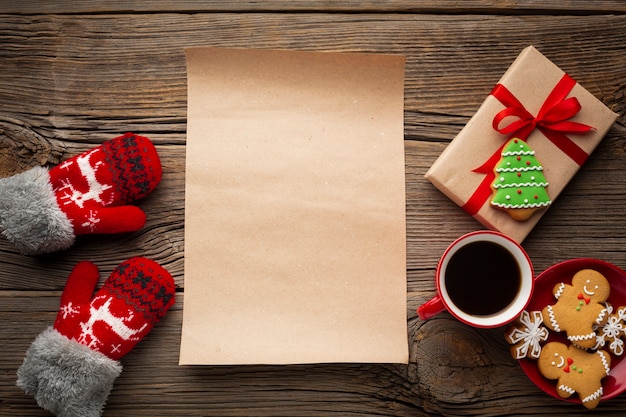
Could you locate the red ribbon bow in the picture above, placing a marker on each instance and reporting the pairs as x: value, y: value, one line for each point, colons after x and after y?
x: 582, y: 297
x: 552, y: 120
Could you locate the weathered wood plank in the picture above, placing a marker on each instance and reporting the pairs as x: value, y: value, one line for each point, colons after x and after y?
x: 134, y: 79
x: 369, y: 6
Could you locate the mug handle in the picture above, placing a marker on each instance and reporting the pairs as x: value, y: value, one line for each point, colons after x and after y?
x: 430, y: 308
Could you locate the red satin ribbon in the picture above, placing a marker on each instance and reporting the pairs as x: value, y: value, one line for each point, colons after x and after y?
x: 552, y: 121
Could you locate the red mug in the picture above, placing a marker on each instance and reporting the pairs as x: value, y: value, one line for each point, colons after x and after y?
x: 484, y: 279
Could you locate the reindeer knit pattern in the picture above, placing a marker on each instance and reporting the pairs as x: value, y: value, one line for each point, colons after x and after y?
x: 136, y: 296
x: 119, y: 171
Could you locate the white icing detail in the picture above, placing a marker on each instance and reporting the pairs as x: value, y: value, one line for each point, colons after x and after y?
x: 553, y: 322
x: 559, y: 292
x: 579, y: 337
x: 587, y: 291
x: 561, y: 361
x: 617, y: 347
x: 600, y: 341
x: 593, y: 396
x: 609, y: 328
x: 567, y: 389
x: 521, y: 169
x: 600, y: 318
x: 607, y: 368
x: 521, y: 184
x: 518, y: 153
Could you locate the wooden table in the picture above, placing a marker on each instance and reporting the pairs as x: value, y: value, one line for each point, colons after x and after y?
x: 74, y: 74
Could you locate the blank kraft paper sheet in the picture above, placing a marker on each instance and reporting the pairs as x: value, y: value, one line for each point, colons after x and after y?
x: 295, y: 242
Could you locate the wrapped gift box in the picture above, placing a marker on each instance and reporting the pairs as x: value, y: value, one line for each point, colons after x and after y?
x: 537, y: 102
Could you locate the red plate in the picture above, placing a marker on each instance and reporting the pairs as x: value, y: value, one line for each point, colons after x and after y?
x: 615, y: 383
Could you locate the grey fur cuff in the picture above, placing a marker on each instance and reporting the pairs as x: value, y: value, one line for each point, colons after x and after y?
x: 30, y: 217
x: 65, y: 377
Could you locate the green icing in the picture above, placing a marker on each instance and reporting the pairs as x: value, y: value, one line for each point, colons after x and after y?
x: 519, y: 181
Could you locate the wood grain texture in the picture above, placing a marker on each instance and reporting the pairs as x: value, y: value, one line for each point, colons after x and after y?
x: 74, y: 74
x: 391, y: 6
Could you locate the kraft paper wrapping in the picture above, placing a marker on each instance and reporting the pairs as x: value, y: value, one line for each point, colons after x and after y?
x: 530, y: 78
x: 295, y: 241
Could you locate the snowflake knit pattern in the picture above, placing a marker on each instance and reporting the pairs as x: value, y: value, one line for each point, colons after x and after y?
x: 519, y: 182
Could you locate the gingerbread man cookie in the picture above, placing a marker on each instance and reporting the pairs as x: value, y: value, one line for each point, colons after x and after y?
x: 579, y: 307
x: 526, y: 334
x: 613, y: 331
x: 576, y: 371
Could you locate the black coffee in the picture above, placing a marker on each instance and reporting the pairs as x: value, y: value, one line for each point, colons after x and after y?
x: 482, y: 278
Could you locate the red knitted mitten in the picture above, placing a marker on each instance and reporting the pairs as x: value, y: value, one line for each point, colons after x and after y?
x: 70, y: 367
x: 93, y: 187
x: 134, y: 298
x: 43, y: 211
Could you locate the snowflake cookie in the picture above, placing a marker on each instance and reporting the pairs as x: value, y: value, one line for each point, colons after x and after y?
x: 613, y: 331
x: 526, y: 334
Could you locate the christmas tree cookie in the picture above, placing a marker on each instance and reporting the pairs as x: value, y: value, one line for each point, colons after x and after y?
x: 520, y: 186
